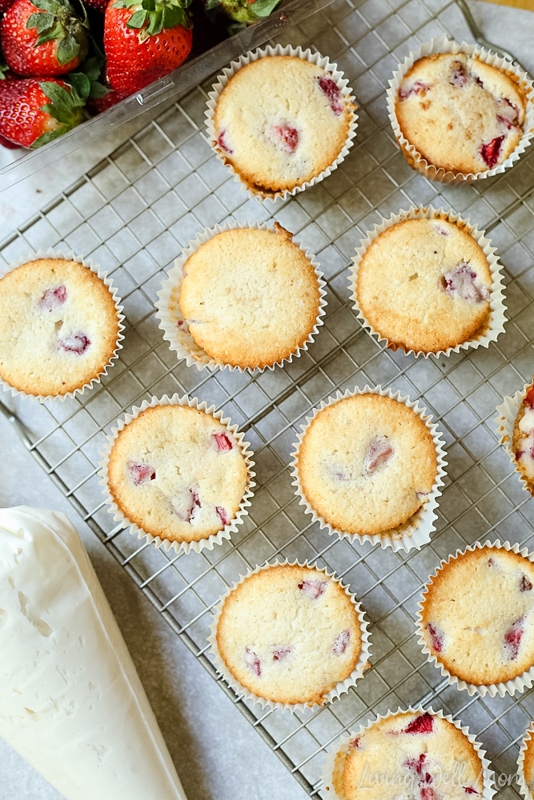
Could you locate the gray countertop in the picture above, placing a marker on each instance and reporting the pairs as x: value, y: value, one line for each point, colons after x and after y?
x: 217, y: 753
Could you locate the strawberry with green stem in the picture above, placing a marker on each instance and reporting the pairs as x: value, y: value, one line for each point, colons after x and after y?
x: 33, y: 112
x: 43, y: 38
x: 144, y: 41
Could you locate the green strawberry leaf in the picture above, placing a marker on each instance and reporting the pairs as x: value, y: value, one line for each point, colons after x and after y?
x: 67, y: 49
x: 149, y: 5
x: 138, y: 19
x: 48, y: 35
x: 53, y: 6
x: 262, y: 8
x: 40, y: 21
x: 66, y: 106
x: 81, y: 82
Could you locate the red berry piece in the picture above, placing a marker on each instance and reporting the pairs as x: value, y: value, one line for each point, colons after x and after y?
x: 525, y: 585
x: 330, y: 88
x: 253, y: 662
x: 53, y: 298
x: 341, y: 643
x: 77, y: 344
x: 427, y: 793
x: 458, y: 76
x: 356, y: 743
x: 529, y: 397
x: 442, y: 231
x: 141, y: 473
x: 461, y: 281
x: 508, y: 113
x: 491, y: 151
x: 222, y: 141
x: 286, y: 137
x: 281, y: 652
x: 418, y: 87
x: 512, y: 638
x: 223, y: 442
x: 377, y: 455
x: 416, y: 764
x: 313, y: 588
x: 421, y: 724
x: 492, y: 562
x: 470, y: 790
x: 436, y: 637
x: 187, y: 505
x: 223, y: 514
x: 182, y: 326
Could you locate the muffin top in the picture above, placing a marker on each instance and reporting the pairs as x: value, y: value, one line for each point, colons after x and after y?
x: 523, y: 438
x: 424, y: 284
x: 280, y: 121
x: 478, y: 616
x: 177, y: 473
x: 250, y: 297
x: 367, y: 463
x: 460, y: 113
x: 289, y: 634
x: 409, y: 754
x: 59, y: 326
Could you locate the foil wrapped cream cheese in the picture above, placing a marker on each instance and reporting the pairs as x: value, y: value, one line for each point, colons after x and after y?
x: 71, y: 702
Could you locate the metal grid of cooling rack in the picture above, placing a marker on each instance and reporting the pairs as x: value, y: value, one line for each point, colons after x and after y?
x: 134, y: 212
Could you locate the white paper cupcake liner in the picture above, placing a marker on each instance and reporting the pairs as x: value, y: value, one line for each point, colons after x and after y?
x: 497, y: 316
x: 519, y: 684
x: 179, y: 546
x: 174, y: 326
x: 507, y: 413
x: 335, y: 758
x: 521, y: 779
x: 279, y: 50
x: 445, y: 45
x: 86, y: 262
x: 417, y: 530
x: 341, y: 688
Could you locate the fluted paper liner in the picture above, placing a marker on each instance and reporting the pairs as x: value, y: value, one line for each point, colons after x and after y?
x: 279, y: 50
x: 507, y: 413
x: 521, y: 779
x: 335, y: 758
x: 518, y: 684
x: 416, y: 531
x: 167, y: 544
x: 86, y: 262
x: 337, y: 691
x: 444, y: 44
x: 496, y: 318
x: 174, y: 326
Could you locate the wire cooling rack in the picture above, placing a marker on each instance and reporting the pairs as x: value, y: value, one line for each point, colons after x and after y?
x: 136, y: 210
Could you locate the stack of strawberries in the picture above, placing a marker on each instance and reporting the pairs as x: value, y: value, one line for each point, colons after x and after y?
x: 60, y: 62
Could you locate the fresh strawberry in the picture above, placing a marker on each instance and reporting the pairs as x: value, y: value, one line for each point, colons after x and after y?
x: 32, y: 111
x: 43, y: 38
x: 4, y: 5
x: 98, y: 5
x: 144, y: 41
x: 244, y: 10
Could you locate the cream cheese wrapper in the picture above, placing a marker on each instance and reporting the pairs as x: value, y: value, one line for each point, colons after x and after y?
x: 279, y: 50
x: 526, y: 792
x: 497, y: 318
x: 335, y: 758
x: 519, y: 684
x: 86, y: 262
x: 179, y: 547
x: 174, y: 326
x: 416, y: 531
x: 336, y: 692
x: 71, y: 703
x: 445, y: 45
x: 507, y: 413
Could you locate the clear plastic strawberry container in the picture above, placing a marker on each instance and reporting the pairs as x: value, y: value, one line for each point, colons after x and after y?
x: 86, y: 144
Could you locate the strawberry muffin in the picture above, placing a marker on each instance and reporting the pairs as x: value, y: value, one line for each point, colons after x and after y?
x: 523, y: 439
x: 291, y: 635
x: 281, y: 120
x: 177, y: 473
x: 424, y: 284
x: 458, y: 113
x: 366, y: 464
x: 476, y: 619
x: 416, y: 754
x: 245, y: 297
x: 60, y: 327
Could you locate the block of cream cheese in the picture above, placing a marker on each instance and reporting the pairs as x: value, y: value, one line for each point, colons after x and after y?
x: 71, y: 702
